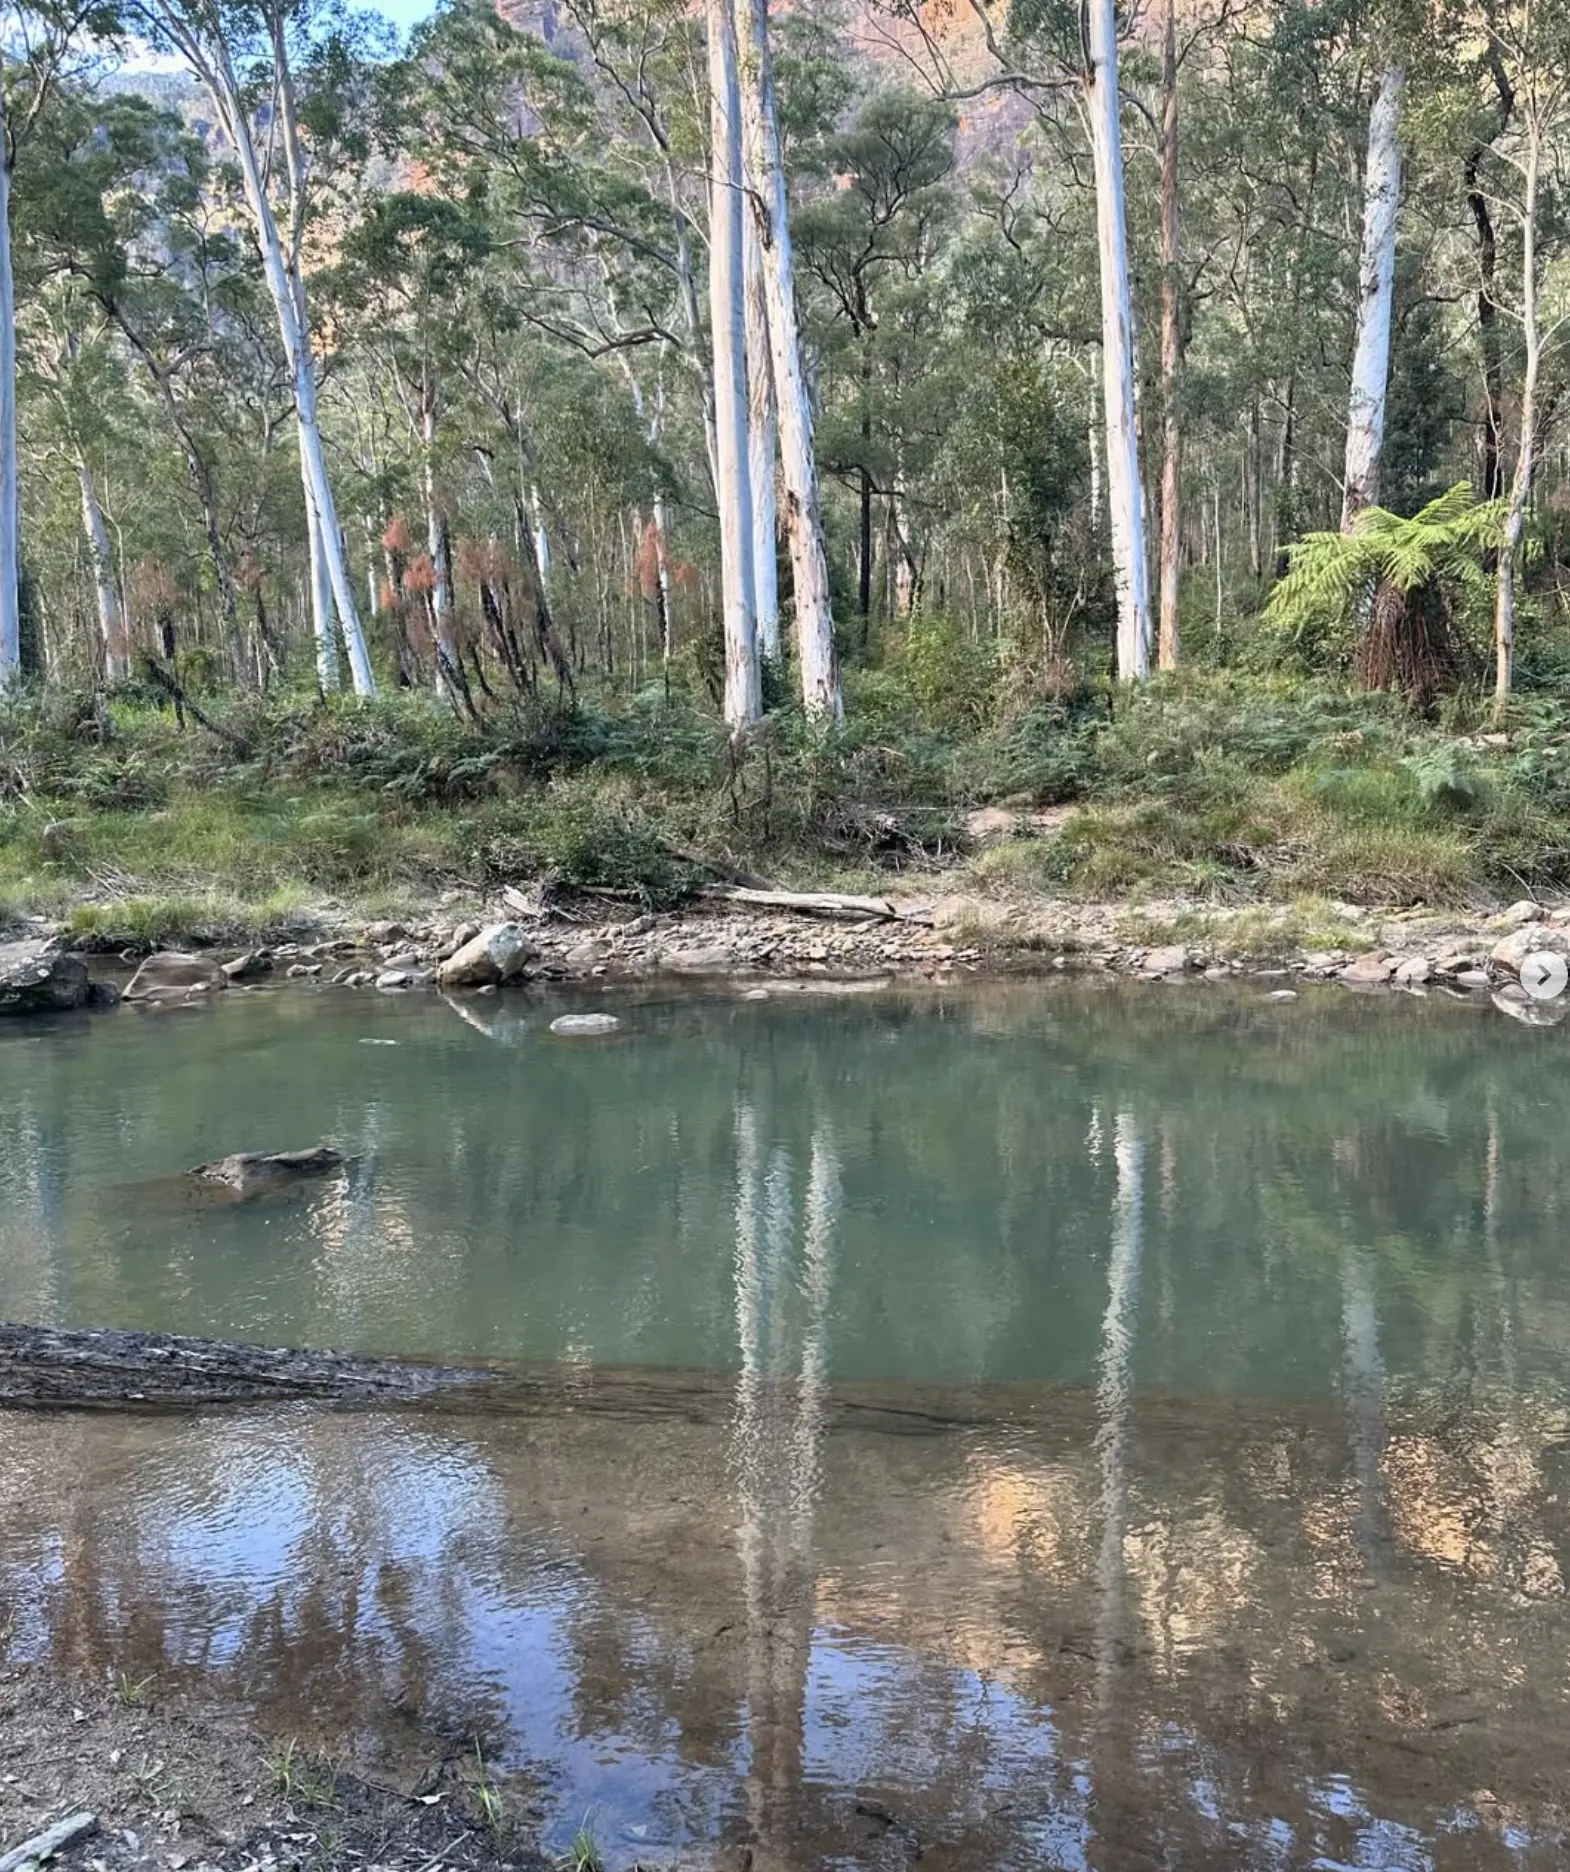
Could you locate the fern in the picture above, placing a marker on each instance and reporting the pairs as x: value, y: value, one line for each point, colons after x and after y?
x: 1442, y: 545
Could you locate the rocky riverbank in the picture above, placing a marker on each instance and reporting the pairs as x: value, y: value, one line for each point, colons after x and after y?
x: 482, y: 945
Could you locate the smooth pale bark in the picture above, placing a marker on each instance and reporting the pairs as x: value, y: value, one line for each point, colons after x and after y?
x: 762, y: 441
x: 10, y: 492
x: 769, y: 202
x: 111, y: 622
x: 1365, y: 433
x: 321, y: 588
x: 727, y: 317
x: 542, y: 539
x: 436, y: 545
x: 1125, y: 498
x: 1526, y: 444
x: 1170, y: 548
x: 212, y: 64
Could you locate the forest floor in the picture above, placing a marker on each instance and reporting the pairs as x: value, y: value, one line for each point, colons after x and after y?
x: 186, y: 1783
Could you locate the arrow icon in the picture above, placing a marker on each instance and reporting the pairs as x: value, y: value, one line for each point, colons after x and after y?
x: 1544, y: 975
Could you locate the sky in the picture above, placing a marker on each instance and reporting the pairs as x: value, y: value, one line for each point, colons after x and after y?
x: 404, y: 13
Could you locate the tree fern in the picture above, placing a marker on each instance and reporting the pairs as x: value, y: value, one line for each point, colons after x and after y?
x: 1330, y: 575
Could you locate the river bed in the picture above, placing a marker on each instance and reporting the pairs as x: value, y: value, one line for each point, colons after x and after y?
x: 1036, y: 1425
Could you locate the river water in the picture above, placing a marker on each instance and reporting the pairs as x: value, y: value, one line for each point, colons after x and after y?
x: 1024, y: 1426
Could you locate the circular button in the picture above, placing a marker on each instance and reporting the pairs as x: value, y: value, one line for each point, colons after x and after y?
x: 1543, y: 975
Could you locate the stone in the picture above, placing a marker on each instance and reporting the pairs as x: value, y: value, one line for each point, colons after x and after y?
x: 1472, y: 978
x: 464, y: 933
x: 497, y: 954
x: 1322, y: 960
x: 1368, y: 971
x: 102, y: 994
x: 172, y: 975
x: 1512, y: 999
x: 587, y: 954
x: 1171, y: 960
x: 1525, y: 911
x: 36, y: 981
x: 249, y: 1172
x: 1510, y: 951
x: 247, y: 967
x: 383, y: 933
x: 401, y: 959
x: 1282, y: 994
x: 585, y: 1026
x: 712, y: 959
x: 1214, y: 974
x: 393, y: 980
x: 302, y: 971
x: 1413, y: 971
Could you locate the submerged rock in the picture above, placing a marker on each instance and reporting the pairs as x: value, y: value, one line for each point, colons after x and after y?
x: 498, y: 954
x: 171, y: 975
x: 34, y: 980
x: 585, y: 1025
x: 251, y: 1172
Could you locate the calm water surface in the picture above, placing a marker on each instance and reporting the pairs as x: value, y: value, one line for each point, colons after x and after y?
x: 1031, y: 1426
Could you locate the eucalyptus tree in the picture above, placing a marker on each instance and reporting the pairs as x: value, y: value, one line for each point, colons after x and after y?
x: 41, y: 43
x: 1365, y: 433
x: 769, y: 203
x: 288, y: 141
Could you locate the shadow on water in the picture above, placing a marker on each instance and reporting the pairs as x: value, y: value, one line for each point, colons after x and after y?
x: 1150, y: 1448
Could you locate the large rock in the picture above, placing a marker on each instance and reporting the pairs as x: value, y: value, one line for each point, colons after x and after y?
x: 171, y: 975
x: 250, y: 1172
x: 35, y: 982
x: 1172, y: 960
x: 1512, y: 950
x: 498, y: 954
x: 1369, y: 971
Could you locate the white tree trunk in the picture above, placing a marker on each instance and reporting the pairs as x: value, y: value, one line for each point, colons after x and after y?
x: 1125, y: 494
x: 436, y: 545
x: 321, y: 592
x: 542, y: 539
x: 287, y: 291
x: 111, y: 623
x: 1521, y: 480
x: 770, y: 204
x: 762, y: 441
x: 1365, y: 431
x: 10, y: 494
x: 727, y: 315
x: 1169, y: 551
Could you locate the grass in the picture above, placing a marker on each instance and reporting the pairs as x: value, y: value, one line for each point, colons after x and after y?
x: 1217, y: 788
x: 300, y: 1778
x: 583, y: 1854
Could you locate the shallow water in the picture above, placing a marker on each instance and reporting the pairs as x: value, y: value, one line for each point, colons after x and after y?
x: 1036, y: 1425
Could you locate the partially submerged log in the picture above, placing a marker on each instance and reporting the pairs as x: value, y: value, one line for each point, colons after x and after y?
x: 251, y: 1173
x: 47, y: 1365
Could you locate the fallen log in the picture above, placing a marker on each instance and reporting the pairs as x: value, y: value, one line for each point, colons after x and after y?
x: 809, y: 903
x: 59, y: 1838
x: 59, y: 1366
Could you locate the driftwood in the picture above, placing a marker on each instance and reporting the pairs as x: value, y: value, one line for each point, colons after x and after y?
x: 815, y: 903
x: 63, y: 1366
x: 59, y: 1838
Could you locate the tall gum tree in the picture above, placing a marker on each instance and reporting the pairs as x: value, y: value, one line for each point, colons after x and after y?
x: 208, y: 35
x: 1365, y: 433
x: 769, y: 202
x: 728, y: 322
x: 39, y: 44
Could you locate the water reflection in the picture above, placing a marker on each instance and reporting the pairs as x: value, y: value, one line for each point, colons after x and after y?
x: 1118, y: 1479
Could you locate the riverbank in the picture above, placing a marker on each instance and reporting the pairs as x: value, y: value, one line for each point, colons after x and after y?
x: 177, y: 1779
x: 580, y: 937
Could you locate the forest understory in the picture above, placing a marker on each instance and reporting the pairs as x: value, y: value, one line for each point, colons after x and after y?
x: 1275, y: 809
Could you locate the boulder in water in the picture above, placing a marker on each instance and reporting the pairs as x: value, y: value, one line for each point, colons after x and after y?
x: 249, y: 1173
x: 585, y: 1026
x: 36, y: 980
x: 173, y: 975
x: 498, y: 954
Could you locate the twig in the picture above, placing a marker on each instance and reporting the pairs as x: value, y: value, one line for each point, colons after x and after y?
x: 56, y: 1839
